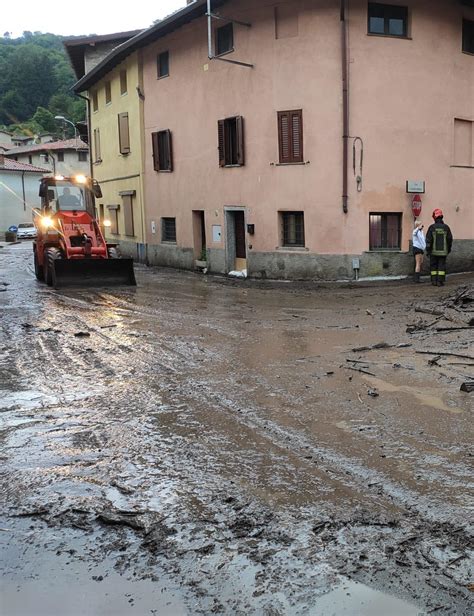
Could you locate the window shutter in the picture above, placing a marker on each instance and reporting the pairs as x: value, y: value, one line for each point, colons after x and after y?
x: 284, y: 136
x: 221, y: 130
x: 297, y: 136
x: 124, y: 135
x: 156, y: 151
x: 128, y: 215
x: 240, y: 140
x: 170, y: 150
x: 97, y: 144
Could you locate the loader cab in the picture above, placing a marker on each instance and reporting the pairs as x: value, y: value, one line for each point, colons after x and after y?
x: 68, y: 195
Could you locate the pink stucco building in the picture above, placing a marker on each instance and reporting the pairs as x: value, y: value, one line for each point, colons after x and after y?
x: 293, y: 160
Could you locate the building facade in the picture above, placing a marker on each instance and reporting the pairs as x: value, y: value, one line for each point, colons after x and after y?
x: 289, y: 151
x: 19, y: 190
x: 68, y: 157
x: 115, y: 112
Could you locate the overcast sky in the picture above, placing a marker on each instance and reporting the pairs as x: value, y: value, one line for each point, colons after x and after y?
x: 83, y: 16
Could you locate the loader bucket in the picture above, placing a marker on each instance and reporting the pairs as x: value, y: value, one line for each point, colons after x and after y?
x: 92, y: 272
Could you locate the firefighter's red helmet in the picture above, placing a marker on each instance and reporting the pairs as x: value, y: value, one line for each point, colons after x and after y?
x: 437, y: 214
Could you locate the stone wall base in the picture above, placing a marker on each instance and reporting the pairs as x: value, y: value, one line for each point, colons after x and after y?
x: 309, y: 266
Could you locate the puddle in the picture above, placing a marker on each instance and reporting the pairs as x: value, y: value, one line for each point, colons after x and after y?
x: 35, y: 582
x: 354, y: 599
x: 424, y: 398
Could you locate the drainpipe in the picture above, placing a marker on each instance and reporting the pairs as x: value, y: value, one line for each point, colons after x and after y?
x: 89, y: 135
x: 23, y: 189
x: 345, y: 109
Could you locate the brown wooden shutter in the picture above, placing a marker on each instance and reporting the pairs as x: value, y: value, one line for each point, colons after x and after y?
x: 221, y: 131
x: 240, y: 140
x: 284, y: 136
x: 124, y: 134
x: 128, y: 215
x: 170, y: 150
x: 290, y: 136
x: 156, y: 151
x: 297, y: 136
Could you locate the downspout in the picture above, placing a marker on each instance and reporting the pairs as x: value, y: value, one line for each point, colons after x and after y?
x: 23, y: 189
x: 89, y: 135
x: 345, y: 109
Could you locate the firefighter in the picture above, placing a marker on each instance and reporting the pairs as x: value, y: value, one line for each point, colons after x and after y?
x: 439, y: 242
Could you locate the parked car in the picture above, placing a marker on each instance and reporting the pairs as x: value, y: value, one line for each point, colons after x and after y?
x: 26, y: 230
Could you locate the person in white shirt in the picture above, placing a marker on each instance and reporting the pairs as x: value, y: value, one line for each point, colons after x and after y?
x: 419, y: 246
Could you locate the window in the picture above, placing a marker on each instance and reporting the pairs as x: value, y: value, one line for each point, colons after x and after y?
x: 95, y: 101
x: 162, y: 151
x: 124, y: 134
x: 123, y: 82
x: 30, y: 159
x: 163, y: 64
x: 82, y: 156
x: 60, y: 157
x: 97, y: 153
x: 108, y: 93
x: 292, y: 224
x: 387, y: 19
x: 385, y: 231
x: 127, y: 203
x: 463, y: 143
x: 224, y: 39
x: 231, y: 142
x: 290, y: 136
x: 168, y: 230
x: 114, y: 219
x: 468, y: 36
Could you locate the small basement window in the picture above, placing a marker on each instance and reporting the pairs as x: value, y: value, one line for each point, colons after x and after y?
x: 225, y: 39
x: 292, y: 224
x: 168, y: 230
x: 385, y: 231
x: 388, y: 20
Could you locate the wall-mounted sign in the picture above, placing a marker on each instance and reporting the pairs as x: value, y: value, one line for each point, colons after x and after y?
x: 416, y: 187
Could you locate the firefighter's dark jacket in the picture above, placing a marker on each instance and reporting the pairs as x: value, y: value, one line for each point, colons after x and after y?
x: 439, y: 224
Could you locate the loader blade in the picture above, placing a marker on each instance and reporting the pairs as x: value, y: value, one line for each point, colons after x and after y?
x: 93, y: 272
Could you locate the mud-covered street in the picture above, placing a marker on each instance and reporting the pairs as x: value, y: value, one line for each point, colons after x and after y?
x: 198, y: 445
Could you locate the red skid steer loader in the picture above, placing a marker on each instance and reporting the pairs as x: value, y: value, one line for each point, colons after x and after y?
x: 70, y: 249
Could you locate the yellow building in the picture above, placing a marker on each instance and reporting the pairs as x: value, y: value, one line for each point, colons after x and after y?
x: 116, y: 141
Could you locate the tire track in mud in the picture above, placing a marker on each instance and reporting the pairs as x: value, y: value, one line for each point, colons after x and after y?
x: 160, y: 433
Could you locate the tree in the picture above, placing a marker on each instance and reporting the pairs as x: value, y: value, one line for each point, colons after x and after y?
x: 45, y: 119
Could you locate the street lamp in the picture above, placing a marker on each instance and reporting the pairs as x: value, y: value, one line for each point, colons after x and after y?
x: 63, y: 119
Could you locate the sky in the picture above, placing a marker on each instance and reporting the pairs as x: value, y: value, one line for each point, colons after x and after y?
x: 72, y: 19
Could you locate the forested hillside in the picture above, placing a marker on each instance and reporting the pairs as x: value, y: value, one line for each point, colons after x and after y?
x: 35, y: 78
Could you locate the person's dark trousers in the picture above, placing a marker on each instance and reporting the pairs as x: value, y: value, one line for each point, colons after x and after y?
x: 438, y: 270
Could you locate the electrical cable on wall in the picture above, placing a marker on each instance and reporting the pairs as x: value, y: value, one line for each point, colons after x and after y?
x: 361, y: 161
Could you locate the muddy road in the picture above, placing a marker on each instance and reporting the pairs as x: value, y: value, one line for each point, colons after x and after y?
x: 197, y: 446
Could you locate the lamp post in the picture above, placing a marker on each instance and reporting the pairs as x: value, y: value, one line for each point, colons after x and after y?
x: 63, y: 119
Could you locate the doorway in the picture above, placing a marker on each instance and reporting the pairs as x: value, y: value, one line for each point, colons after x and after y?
x: 199, y: 235
x: 236, y: 247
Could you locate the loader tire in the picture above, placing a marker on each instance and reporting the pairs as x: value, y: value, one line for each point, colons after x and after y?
x: 39, y: 271
x: 114, y: 253
x: 51, y: 255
